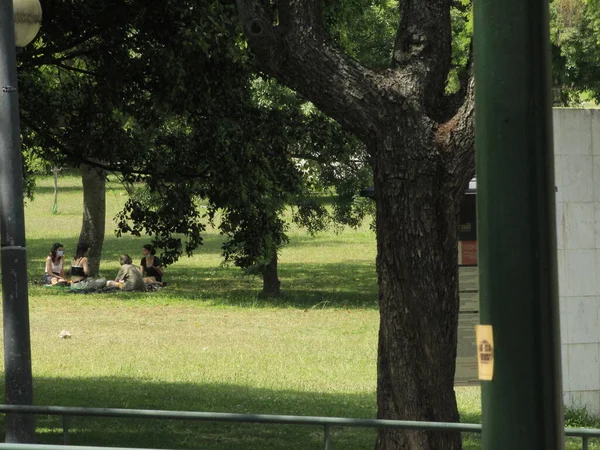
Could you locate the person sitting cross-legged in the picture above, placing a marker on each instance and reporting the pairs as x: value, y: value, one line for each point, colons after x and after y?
x: 80, y: 270
x: 79, y: 264
x: 55, y: 273
x: 151, y: 266
x: 129, y: 277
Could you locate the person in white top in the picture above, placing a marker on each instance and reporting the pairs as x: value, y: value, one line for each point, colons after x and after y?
x: 55, y: 262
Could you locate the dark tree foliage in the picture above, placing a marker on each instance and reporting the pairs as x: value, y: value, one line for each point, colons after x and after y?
x: 109, y: 84
x: 164, y: 94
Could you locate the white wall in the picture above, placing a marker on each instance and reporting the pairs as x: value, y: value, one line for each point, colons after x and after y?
x: 577, y: 169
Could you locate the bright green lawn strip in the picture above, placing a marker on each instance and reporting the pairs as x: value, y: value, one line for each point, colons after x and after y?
x: 207, y: 342
x: 277, y: 361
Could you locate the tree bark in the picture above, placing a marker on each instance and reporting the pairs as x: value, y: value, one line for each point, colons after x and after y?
x: 94, y: 214
x: 271, y: 283
x: 422, y: 147
x: 417, y: 232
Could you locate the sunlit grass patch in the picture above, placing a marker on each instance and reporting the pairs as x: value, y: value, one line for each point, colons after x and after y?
x: 207, y: 342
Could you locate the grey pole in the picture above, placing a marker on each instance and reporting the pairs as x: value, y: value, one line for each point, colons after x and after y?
x: 15, y: 311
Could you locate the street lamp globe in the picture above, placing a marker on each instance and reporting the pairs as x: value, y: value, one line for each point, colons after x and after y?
x: 28, y: 20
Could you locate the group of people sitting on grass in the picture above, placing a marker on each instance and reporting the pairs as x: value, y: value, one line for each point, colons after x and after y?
x: 129, y: 277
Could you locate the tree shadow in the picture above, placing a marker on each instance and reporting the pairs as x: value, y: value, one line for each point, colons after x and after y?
x: 49, y: 190
x: 339, y: 285
x: 117, y: 392
x: 122, y: 392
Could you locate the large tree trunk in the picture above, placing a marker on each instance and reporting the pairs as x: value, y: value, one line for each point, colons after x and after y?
x: 271, y: 283
x: 417, y: 231
x: 422, y: 146
x: 94, y: 214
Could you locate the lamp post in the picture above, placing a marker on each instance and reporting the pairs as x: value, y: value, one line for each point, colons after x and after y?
x: 15, y: 310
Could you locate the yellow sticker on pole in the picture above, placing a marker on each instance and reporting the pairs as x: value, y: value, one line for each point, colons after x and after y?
x: 485, y: 351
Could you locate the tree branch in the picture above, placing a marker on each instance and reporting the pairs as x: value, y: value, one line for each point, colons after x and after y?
x: 125, y: 168
x: 423, y: 48
x: 322, y: 159
x: 455, y: 101
x: 298, y: 14
x: 337, y: 84
x: 47, y: 51
x: 50, y: 55
x: 74, y: 69
x: 457, y: 140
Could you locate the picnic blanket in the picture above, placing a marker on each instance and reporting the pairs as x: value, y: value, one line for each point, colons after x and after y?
x: 106, y: 289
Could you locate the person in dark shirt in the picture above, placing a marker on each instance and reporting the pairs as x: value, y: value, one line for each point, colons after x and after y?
x: 150, y: 266
x: 79, y: 264
x: 80, y: 270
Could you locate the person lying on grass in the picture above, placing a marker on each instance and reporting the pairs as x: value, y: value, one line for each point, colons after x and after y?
x: 129, y: 277
x: 55, y: 271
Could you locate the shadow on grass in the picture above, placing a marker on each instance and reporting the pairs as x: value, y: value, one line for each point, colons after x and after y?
x: 118, y: 392
x: 62, y: 189
x: 314, y: 287
x: 341, y: 285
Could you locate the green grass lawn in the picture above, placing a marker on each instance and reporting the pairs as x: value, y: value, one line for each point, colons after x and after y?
x: 209, y: 342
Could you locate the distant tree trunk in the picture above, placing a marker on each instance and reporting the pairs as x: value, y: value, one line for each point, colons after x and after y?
x: 94, y: 214
x: 271, y: 283
x: 55, y: 172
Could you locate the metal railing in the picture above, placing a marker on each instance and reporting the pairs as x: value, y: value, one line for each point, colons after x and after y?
x: 326, y: 422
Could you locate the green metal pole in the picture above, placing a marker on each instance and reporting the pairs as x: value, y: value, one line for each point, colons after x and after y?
x: 522, y: 404
x: 17, y: 349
